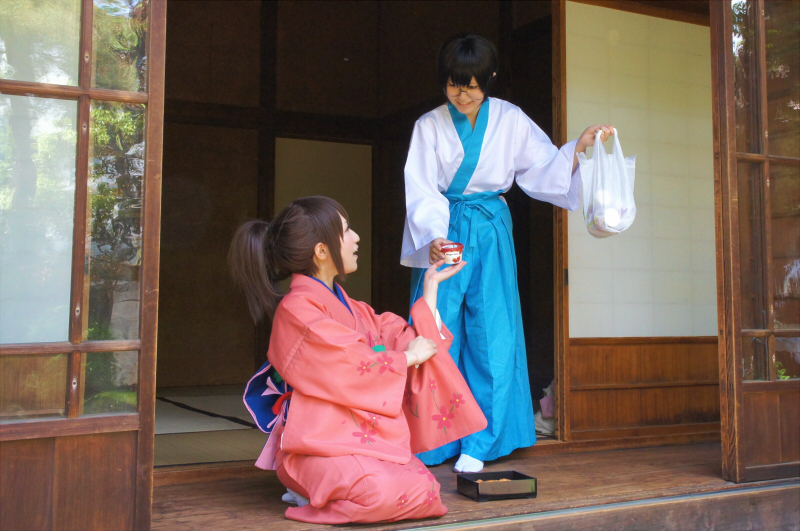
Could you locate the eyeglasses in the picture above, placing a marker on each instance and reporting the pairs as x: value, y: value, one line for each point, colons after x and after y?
x: 454, y: 91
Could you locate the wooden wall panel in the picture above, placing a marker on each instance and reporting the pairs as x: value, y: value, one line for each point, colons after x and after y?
x: 409, y: 36
x: 618, y: 362
x: 328, y: 57
x: 637, y: 387
x: 213, y: 53
x: 33, y: 386
x: 655, y: 406
x: 94, y: 481
x: 391, y: 281
x: 26, y: 484
x: 762, y: 414
x: 772, y: 417
x: 206, y: 336
x: 790, y: 427
x: 530, y: 87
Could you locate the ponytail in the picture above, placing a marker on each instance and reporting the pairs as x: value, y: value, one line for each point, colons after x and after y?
x: 250, y: 262
x: 263, y: 254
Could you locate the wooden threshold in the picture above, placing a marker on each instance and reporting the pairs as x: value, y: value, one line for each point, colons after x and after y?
x: 594, y: 482
x: 206, y: 472
x: 184, y: 474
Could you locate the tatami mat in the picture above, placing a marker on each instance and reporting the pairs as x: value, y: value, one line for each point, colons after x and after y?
x: 171, y: 418
x: 225, y: 405
x: 208, y: 447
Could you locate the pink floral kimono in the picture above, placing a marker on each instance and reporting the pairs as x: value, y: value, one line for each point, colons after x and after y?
x: 357, y: 414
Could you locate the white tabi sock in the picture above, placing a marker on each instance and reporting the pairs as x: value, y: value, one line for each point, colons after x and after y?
x: 466, y: 463
x: 294, y: 498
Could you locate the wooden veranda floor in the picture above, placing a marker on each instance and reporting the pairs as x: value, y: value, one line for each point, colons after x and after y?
x: 645, y: 488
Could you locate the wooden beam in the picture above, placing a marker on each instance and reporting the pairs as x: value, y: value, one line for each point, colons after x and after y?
x: 26, y: 349
x: 181, y: 475
x: 80, y: 218
x: 560, y: 239
x: 273, y: 123
x: 151, y: 245
x: 724, y: 126
x: 778, y: 386
x: 64, y: 427
x: 645, y: 385
x: 670, y: 10
x: 65, y: 92
x: 586, y: 341
x: 268, y: 102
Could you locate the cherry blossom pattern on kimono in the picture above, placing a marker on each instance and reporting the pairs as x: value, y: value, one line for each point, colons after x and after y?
x: 442, y: 415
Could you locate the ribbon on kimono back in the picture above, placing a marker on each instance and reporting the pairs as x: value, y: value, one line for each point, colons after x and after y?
x: 267, y: 397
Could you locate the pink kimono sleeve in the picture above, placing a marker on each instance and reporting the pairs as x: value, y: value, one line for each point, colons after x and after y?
x: 322, y: 358
x: 438, y: 404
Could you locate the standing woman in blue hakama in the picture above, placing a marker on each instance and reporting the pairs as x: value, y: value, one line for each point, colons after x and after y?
x: 463, y: 156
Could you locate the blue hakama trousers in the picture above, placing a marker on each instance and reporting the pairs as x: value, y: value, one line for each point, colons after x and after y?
x: 481, y: 308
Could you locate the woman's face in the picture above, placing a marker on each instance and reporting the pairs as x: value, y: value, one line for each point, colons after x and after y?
x: 349, y: 247
x: 466, y: 99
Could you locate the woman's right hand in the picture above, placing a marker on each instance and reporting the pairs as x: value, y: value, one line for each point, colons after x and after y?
x: 419, y: 350
x: 436, y: 249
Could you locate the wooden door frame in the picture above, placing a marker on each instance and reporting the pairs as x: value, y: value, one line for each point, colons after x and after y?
x: 560, y: 215
x: 76, y: 347
x: 560, y: 257
x: 726, y: 237
x: 151, y: 242
x: 726, y: 159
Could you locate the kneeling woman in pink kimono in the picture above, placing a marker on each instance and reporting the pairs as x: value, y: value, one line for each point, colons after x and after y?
x: 366, y: 390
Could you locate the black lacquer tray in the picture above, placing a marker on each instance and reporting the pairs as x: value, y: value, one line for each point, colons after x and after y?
x: 520, y: 486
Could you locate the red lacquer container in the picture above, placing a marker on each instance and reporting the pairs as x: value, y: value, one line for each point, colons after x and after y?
x: 452, y: 252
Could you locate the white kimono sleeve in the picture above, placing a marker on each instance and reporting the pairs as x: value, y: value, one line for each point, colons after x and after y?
x: 543, y: 171
x: 427, y: 210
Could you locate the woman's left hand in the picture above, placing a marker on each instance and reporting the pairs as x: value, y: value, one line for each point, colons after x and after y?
x: 587, y: 137
x: 430, y: 286
x: 432, y: 275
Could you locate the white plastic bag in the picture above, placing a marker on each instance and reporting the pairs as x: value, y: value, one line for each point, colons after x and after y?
x: 607, y: 180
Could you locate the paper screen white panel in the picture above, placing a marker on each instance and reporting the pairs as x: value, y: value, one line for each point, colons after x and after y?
x: 651, y: 78
x: 342, y: 172
x: 38, y: 139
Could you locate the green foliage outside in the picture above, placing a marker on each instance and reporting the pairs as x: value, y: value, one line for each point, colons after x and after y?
x: 104, y: 393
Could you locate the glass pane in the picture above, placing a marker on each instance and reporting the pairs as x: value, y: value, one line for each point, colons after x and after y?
x: 752, y: 252
x: 114, y: 234
x: 746, y: 79
x: 40, y: 40
x: 782, y: 21
x: 784, y: 191
x: 112, y: 383
x: 32, y: 387
x: 37, y: 198
x: 119, y: 44
x: 754, y: 358
x: 787, y: 357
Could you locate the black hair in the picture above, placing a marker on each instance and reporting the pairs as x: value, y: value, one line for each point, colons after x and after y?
x: 464, y: 56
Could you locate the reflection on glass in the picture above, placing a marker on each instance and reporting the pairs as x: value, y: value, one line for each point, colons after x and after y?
x: 752, y: 254
x: 111, y: 383
x: 787, y: 357
x: 785, y: 210
x: 37, y: 201
x: 114, y: 233
x: 32, y: 387
x: 119, y: 44
x: 40, y: 40
x: 754, y: 358
x: 782, y: 22
x: 746, y: 79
